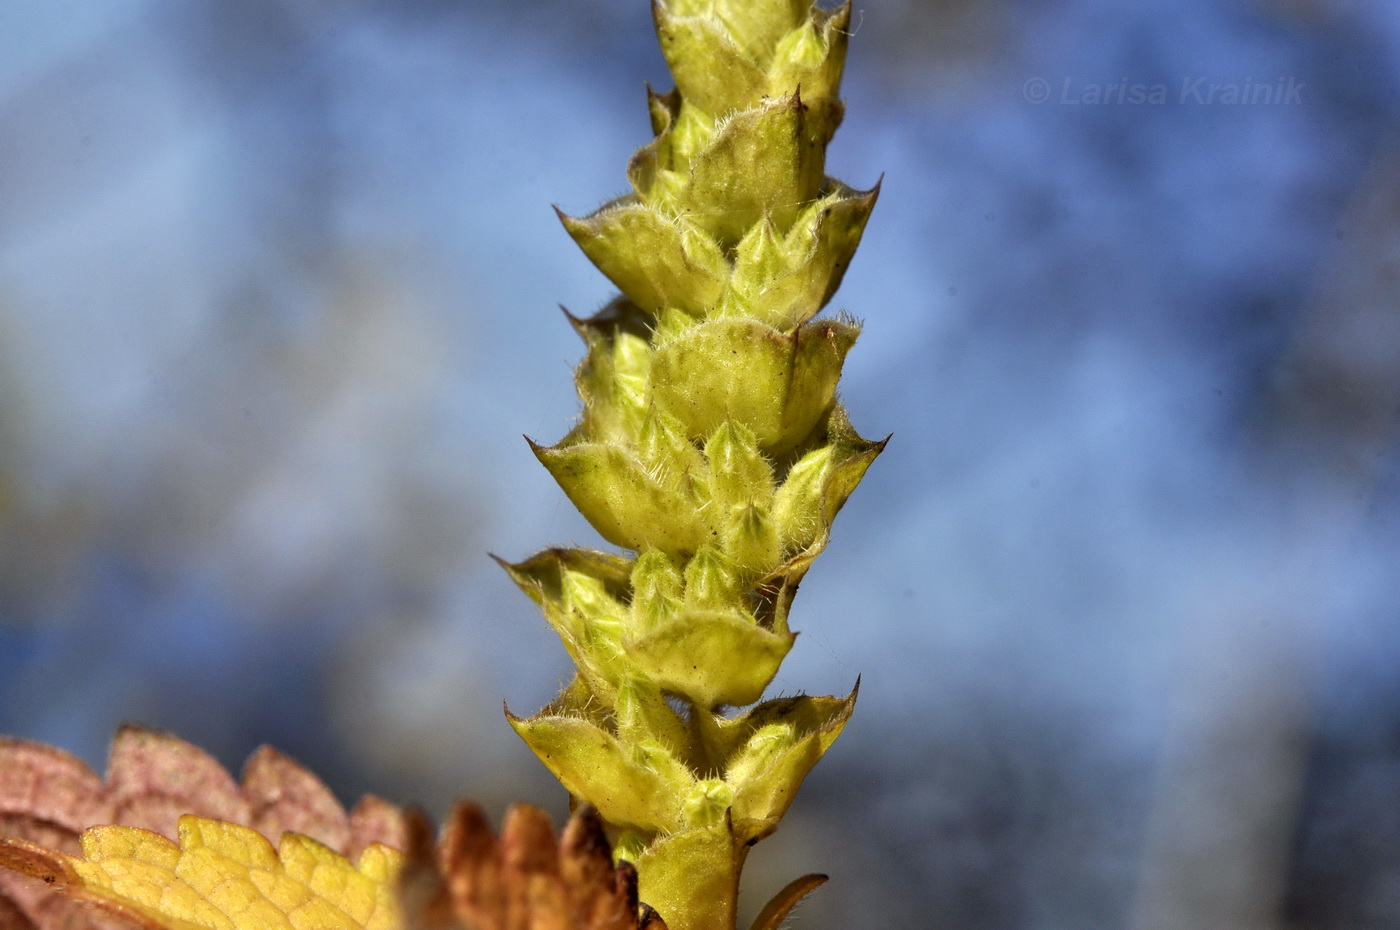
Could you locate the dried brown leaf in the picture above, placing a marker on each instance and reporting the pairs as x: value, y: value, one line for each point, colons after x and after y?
x: 375, y: 820
x: 48, y: 797
x: 31, y: 879
x: 525, y: 880
x: 153, y: 778
x: 285, y: 796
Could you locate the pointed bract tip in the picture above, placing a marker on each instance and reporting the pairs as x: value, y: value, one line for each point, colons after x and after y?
x: 580, y: 326
x: 842, y: 16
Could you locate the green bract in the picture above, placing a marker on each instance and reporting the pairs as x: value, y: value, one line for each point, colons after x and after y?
x: 713, y: 447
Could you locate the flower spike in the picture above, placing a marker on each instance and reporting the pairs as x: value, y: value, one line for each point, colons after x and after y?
x: 712, y: 447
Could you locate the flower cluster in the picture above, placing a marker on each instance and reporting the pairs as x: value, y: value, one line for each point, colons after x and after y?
x: 712, y: 445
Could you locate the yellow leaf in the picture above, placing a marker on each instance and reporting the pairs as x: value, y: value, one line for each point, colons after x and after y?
x: 222, y: 876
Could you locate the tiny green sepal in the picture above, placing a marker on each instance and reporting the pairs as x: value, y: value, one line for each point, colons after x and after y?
x: 657, y: 260
x: 713, y: 657
x: 626, y: 504
x: 626, y: 787
x: 774, y: 761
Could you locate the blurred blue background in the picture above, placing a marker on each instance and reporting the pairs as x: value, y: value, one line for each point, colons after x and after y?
x: 277, y: 288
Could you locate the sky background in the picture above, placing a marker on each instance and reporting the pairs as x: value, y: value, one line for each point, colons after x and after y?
x: 278, y: 288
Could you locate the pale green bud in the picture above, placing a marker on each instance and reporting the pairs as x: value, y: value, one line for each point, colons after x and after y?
x: 658, y: 155
x: 739, y: 474
x: 641, y: 714
x: 595, y: 382
x: 631, y: 374
x: 657, y: 590
x: 612, y: 377
x: 727, y: 737
x: 592, y: 629
x: 745, y: 17
x: 586, y: 597
x: 798, y: 508
x: 757, y: 27
x: 759, y: 258
x: 812, y: 55
x: 691, y: 131
x: 818, y: 484
x: 664, y: 187
x: 653, y: 756
x: 707, y: 802
x: 763, y: 748
x: 711, y: 71
x: 768, y: 770
x: 786, y: 281
x: 720, y: 52
x: 596, y: 617
x: 670, y: 458
x: 751, y: 540
x: 711, y: 582
x: 660, y: 169
x: 579, y: 592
